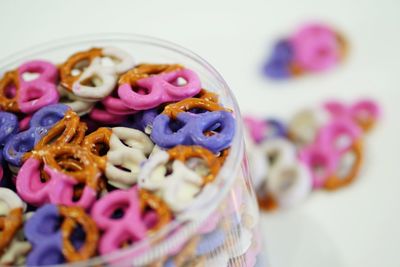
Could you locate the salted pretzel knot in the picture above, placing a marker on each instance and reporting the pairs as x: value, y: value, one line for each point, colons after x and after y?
x: 95, y: 142
x: 145, y: 70
x: 208, y: 95
x: 335, y: 181
x: 172, y: 110
x: 8, y: 102
x: 74, y: 216
x: 67, y: 130
x: 75, y: 161
x: 9, y: 226
x: 149, y: 200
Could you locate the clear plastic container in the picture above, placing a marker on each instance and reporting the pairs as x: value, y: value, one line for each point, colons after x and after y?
x: 223, y: 229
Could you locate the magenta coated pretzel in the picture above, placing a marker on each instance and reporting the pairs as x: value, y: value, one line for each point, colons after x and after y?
x: 368, y: 106
x: 116, y: 106
x: 24, y: 123
x: 117, y: 231
x: 321, y: 157
x: 58, y: 190
x: 257, y: 128
x: 330, y: 135
x: 364, y: 112
x: 316, y: 47
x: 162, y: 88
x: 41, y: 91
x: 103, y: 116
x: 326, y: 152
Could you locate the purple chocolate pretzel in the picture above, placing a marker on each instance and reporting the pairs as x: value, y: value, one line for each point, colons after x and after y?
x: 43, y: 232
x: 8, y: 126
x: 193, y: 130
x: 23, y: 142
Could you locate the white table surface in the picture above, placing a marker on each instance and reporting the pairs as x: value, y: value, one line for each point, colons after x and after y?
x: 357, y: 226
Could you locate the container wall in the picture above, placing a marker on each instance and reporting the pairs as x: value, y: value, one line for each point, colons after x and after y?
x: 223, y: 230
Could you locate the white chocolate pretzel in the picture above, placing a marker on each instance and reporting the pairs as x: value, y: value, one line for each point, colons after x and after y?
x: 288, y: 180
x: 178, y: 189
x: 128, y: 149
x: 9, y: 200
x: 304, y: 125
x: 99, y: 80
x: 79, y: 106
